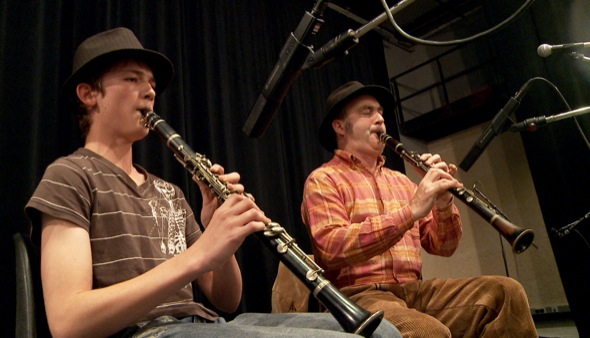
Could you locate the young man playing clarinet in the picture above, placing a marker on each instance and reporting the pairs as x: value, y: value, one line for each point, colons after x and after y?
x: 120, y: 247
x: 368, y: 225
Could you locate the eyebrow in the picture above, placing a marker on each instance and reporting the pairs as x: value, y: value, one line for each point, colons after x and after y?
x: 140, y: 72
x: 371, y: 106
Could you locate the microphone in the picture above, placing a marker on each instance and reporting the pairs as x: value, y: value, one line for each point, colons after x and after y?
x: 545, y: 50
x: 333, y: 48
x: 567, y: 229
x: 561, y: 232
x: 530, y: 124
x: 533, y: 123
x: 289, y: 66
x: 498, y: 125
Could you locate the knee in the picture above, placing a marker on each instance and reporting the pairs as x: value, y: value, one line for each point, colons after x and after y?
x: 508, y: 285
x: 430, y: 328
x: 437, y: 329
x: 505, y: 289
x: 417, y: 324
x: 386, y: 330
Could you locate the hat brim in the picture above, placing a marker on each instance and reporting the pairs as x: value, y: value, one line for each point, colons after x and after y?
x: 159, y: 64
x: 327, y: 135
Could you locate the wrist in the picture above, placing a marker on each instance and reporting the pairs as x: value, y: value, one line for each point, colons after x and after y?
x: 444, y: 206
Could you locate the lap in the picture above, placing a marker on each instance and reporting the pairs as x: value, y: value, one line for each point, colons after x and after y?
x: 461, y: 305
x: 410, y: 321
x: 258, y: 325
x: 315, y: 320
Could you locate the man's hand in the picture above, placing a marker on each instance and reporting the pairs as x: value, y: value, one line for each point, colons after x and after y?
x: 434, y: 187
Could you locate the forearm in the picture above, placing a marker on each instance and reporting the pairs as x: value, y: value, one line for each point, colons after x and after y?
x: 102, y: 312
x: 442, y: 231
x: 342, y: 243
x: 226, y: 287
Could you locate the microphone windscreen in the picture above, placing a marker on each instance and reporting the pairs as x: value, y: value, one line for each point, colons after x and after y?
x: 544, y: 50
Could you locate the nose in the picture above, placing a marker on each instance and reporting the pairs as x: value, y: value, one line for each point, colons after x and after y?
x: 151, y: 92
x: 379, y: 120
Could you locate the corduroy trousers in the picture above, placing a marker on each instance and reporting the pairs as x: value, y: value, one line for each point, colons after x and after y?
x: 486, y: 306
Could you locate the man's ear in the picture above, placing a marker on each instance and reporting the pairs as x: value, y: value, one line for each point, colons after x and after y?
x: 86, y: 94
x: 338, y: 126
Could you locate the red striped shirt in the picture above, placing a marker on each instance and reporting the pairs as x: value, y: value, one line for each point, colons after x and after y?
x: 362, y: 228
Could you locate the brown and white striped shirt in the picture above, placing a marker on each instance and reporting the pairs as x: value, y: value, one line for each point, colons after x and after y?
x: 132, y: 228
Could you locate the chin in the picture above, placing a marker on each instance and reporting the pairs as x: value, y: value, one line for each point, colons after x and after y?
x: 141, y: 134
x: 380, y: 147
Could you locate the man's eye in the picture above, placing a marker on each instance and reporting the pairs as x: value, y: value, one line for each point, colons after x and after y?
x: 369, y: 111
x: 132, y: 79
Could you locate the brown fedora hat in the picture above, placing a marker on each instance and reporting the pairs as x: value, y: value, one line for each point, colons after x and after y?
x: 109, y: 47
x: 339, y: 98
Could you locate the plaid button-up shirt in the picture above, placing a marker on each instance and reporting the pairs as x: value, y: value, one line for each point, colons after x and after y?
x: 361, y: 226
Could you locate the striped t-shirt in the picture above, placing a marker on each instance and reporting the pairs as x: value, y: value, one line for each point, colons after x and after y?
x: 132, y: 228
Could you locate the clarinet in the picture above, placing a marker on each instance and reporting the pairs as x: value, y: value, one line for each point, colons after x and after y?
x: 349, y: 315
x: 519, y: 239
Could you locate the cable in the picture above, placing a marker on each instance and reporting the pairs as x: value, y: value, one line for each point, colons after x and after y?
x: 582, y: 237
x: 522, y: 8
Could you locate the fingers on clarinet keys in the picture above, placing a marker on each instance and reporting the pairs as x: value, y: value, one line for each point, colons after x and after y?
x: 272, y: 229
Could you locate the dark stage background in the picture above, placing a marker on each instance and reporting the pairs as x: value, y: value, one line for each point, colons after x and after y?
x: 223, y: 52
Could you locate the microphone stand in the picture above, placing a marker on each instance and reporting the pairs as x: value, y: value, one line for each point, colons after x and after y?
x: 579, y: 56
x: 297, y: 56
x: 291, y: 60
x: 345, y: 41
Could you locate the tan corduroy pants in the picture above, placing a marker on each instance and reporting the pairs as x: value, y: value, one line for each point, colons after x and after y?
x: 487, y: 306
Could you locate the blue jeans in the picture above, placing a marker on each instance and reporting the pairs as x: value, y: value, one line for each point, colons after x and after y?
x: 253, y: 325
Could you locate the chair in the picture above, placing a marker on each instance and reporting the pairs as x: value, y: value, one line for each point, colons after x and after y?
x: 289, y: 294
x: 30, y: 309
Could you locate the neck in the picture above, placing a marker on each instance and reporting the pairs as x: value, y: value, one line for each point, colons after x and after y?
x: 368, y: 155
x: 368, y: 160
x: 121, y: 155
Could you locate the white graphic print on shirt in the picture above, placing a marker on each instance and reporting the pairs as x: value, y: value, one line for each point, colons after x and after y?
x: 170, y: 219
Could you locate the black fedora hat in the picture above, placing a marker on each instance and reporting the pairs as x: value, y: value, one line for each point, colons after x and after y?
x: 339, y: 98
x: 108, y: 47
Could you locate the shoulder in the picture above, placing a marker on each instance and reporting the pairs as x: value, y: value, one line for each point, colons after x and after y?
x: 73, y: 162
x: 80, y: 163
x: 67, y: 170
x: 324, y: 171
x: 328, y: 177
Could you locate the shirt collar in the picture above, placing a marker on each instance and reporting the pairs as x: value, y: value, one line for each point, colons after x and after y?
x: 354, y: 162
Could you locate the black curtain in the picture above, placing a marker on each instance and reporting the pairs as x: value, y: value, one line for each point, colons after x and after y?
x: 223, y: 52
